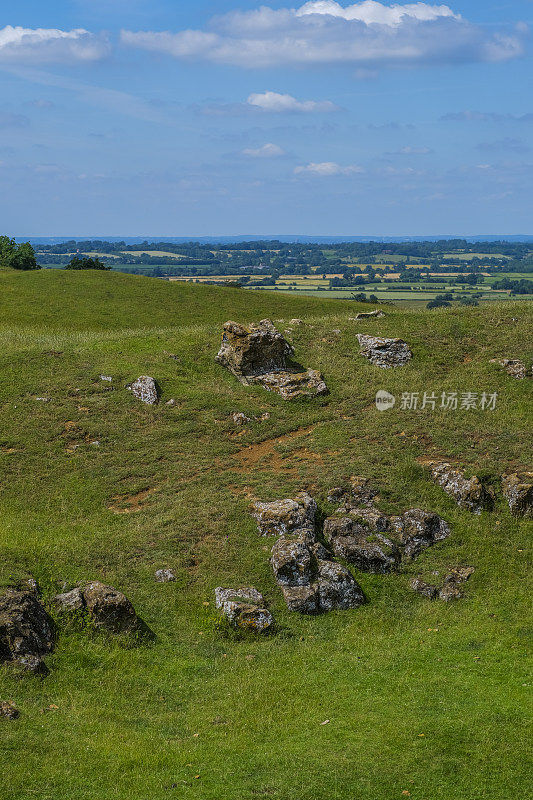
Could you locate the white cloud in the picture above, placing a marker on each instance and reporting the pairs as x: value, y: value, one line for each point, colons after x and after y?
x: 42, y: 45
x: 363, y: 34
x: 278, y: 103
x: 266, y: 151
x: 326, y: 169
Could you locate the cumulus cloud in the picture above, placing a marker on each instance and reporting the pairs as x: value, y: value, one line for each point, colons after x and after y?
x: 278, y: 103
x: 327, y: 169
x: 266, y: 151
x: 44, y: 45
x: 363, y: 34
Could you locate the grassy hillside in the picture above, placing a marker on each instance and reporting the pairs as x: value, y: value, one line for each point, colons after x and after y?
x: 423, y: 700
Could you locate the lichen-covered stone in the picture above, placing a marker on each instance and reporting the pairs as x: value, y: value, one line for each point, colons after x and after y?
x: 337, y: 588
x: 356, y: 543
x: 468, y: 493
x: 164, y: 576
x: 26, y: 628
x: 370, y: 314
x: 111, y: 610
x: 383, y: 352
x: 145, y: 390
x: 302, y: 599
x: 423, y: 588
x: 293, y: 385
x: 518, y: 491
x: 9, y: 711
x: 417, y: 530
x: 292, y: 562
x: 245, y: 608
x: 513, y: 366
x: 67, y: 602
x: 281, y: 517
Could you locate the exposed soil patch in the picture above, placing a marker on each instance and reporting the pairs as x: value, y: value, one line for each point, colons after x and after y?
x: 266, y: 455
x: 130, y: 504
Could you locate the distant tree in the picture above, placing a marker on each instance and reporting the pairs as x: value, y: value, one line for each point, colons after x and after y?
x: 373, y: 299
x: 86, y: 263
x: 438, y: 302
x: 24, y: 257
x: 468, y: 301
x: 8, y: 248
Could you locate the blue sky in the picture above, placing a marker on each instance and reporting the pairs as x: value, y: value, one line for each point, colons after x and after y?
x: 158, y: 117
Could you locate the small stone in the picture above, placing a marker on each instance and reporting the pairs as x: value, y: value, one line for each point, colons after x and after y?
x: 281, y: 517
x: 513, y: 366
x: 164, y: 576
x: 423, y: 588
x: 245, y: 593
x: 245, y: 608
x: 418, y: 529
x: 239, y: 418
x: 107, y: 378
x: 26, y: 628
x: 296, y: 322
x: 9, y: 711
x: 385, y: 353
x: 111, y: 610
x: 145, y: 390
x: 449, y: 592
x: 370, y: 314
x: 355, y: 543
x: 171, y: 402
x: 518, y: 491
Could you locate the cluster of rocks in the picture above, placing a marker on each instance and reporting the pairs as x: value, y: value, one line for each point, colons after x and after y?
x: 449, y: 588
x: 244, y: 608
x: 384, y: 353
x: 474, y: 495
x: 513, y: 367
x: 28, y: 633
x: 310, y: 579
x: 240, y: 418
x: 259, y: 354
x: 373, y: 541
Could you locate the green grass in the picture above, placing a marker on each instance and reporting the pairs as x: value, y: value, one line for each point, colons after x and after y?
x: 421, y: 697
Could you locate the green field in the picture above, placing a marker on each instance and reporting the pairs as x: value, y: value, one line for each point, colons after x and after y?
x: 402, y: 697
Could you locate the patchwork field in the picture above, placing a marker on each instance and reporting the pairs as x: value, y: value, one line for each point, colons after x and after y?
x: 403, y: 697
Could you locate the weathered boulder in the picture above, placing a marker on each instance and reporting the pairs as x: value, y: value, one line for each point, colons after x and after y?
x: 245, y: 608
x: 296, y: 322
x: 239, y: 418
x: 370, y: 314
x: 518, y: 491
x: 384, y: 353
x: 281, y: 517
x: 417, y: 530
x: 111, y: 610
x: 292, y: 562
x: 26, y: 629
x: 468, y: 493
x: 337, y: 588
x: 357, y: 544
x: 164, y: 576
x: 145, y: 389
x: 293, y: 385
x: 9, y: 711
x: 252, y: 350
x: 513, y: 366
x: 259, y: 354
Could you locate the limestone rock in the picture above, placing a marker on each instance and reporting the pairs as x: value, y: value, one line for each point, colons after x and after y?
x: 239, y: 418
x: 251, y: 350
x: 513, y: 366
x: 358, y: 493
x: 370, y: 314
x: 518, y: 491
x: 26, y: 628
x: 164, y: 576
x: 111, y: 610
x: 245, y: 608
x: 384, y: 353
x: 145, y: 389
x: 417, y: 530
x: 67, y: 602
x: 357, y: 544
x: 302, y: 599
x: 468, y: 493
x: 296, y: 322
x: 282, y: 517
x: 423, y: 588
x: 292, y: 562
x: 293, y: 385
x: 259, y: 354
x: 337, y: 588
x: 9, y: 711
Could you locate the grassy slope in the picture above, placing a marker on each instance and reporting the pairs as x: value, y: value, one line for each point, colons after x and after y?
x: 421, y: 697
